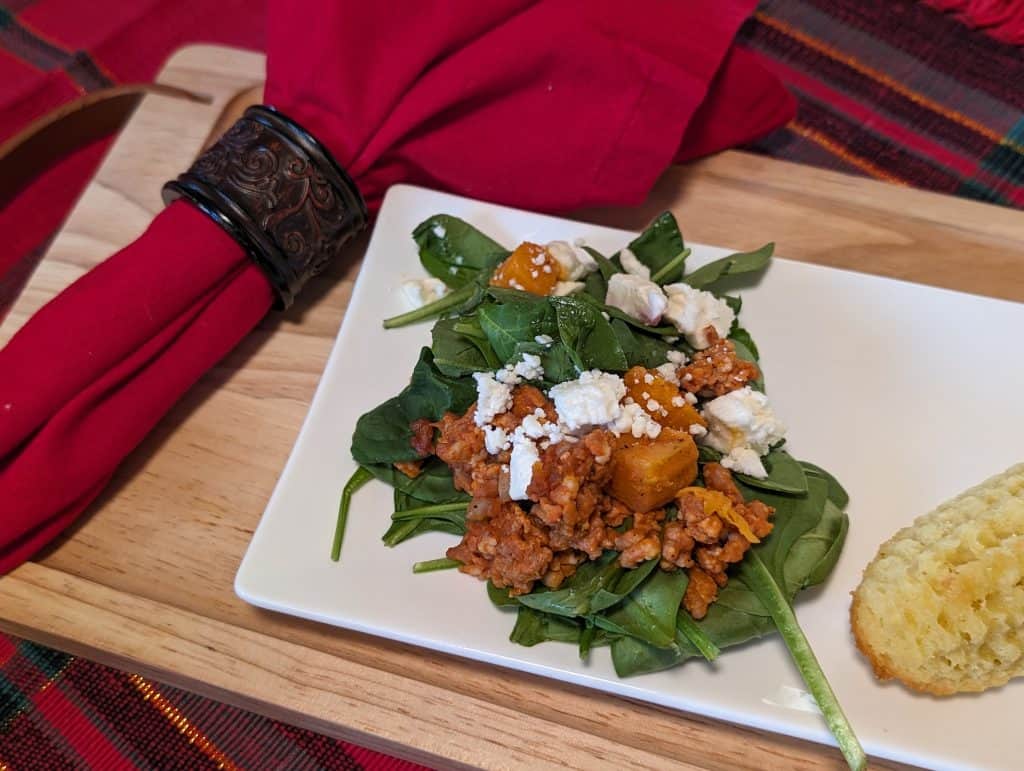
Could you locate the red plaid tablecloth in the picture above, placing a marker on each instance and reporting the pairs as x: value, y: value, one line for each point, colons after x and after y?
x: 887, y: 88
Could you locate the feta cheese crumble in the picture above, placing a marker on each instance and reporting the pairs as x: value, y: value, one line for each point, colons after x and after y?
x: 574, y: 262
x: 529, y: 368
x: 563, y: 288
x: 742, y: 420
x: 590, y: 400
x: 637, y: 297
x: 691, y: 311
x: 634, y: 420
x: 668, y: 371
x: 520, y: 467
x: 492, y: 398
x: 544, y: 340
x: 496, y: 439
x: 632, y: 265
x: 421, y: 291
x: 745, y: 461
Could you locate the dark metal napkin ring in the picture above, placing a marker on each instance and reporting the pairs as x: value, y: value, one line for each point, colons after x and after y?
x: 277, y: 191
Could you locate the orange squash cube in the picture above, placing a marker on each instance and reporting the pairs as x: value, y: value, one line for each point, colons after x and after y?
x: 530, y: 268
x: 661, y: 399
x: 647, y: 473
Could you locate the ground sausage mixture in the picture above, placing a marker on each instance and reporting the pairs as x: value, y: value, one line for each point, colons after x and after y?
x: 570, y: 517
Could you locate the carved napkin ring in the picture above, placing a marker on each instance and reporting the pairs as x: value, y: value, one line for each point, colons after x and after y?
x: 279, y: 194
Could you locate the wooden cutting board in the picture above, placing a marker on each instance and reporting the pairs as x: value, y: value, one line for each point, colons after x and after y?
x: 144, y: 580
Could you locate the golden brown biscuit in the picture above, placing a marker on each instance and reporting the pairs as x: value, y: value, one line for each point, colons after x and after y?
x: 941, y: 607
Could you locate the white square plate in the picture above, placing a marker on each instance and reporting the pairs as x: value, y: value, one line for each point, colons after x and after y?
x: 907, y: 393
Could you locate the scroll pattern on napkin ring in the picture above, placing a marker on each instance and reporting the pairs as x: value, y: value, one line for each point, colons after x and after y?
x: 277, y: 191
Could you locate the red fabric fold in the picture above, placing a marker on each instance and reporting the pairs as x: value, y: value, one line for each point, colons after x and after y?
x: 544, y: 105
x: 1002, y: 19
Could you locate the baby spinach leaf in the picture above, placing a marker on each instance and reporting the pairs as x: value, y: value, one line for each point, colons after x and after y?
x: 574, y: 597
x: 764, y: 584
x: 785, y: 474
x: 500, y: 597
x: 382, y: 435
x: 624, y: 584
x: 639, y: 348
x: 661, y: 243
x: 431, y: 393
x: 836, y: 493
x: 595, y: 285
x: 458, y: 353
x: 454, y: 251
x: 605, y: 267
x: 649, y: 612
x: 534, y: 627
x: 433, y: 485
x: 827, y: 539
x: 586, y: 334
x: 733, y: 265
x: 516, y: 319
x: 794, y: 516
x: 746, y: 354
x: 742, y: 336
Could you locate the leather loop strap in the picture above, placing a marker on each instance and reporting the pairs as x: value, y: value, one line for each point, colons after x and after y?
x: 276, y: 190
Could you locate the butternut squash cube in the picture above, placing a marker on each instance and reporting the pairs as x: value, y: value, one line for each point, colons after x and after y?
x: 530, y: 268
x: 661, y: 399
x: 647, y: 473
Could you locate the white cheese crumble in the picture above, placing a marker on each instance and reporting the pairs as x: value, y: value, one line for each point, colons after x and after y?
x: 543, y: 340
x: 742, y: 419
x: 691, y: 311
x: 574, y: 262
x: 529, y: 368
x: 632, y: 265
x: 637, y: 297
x: 690, y: 398
x: 676, y: 357
x: 745, y: 461
x: 492, y: 398
x: 678, y: 401
x: 524, y: 455
x: 421, y: 291
x: 590, y: 400
x: 563, y: 288
x: 669, y: 372
x: 634, y: 420
x: 496, y: 439
x: 696, y: 429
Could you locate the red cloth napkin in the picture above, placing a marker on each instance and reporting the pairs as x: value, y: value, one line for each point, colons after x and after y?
x: 550, y: 106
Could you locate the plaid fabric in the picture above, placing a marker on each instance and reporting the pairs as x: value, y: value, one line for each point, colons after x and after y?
x: 888, y: 88
x: 897, y: 91
x: 60, y: 712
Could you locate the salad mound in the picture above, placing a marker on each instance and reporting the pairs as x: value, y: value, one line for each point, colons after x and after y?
x: 595, y: 431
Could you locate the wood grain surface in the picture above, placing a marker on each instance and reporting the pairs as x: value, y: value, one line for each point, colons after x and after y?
x: 144, y: 580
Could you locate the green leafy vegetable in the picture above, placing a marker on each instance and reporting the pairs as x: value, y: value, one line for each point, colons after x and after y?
x: 442, y: 563
x: 455, y: 251
x: 383, y: 434
x: 636, y: 611
x: 458, y: 350
x: 785, y: 474
x: 733, y: 265
x: 586, y: 334
x: 763, y: 583
x: 660, y: 247
x: 359, y: 478
x: 742, y: 337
